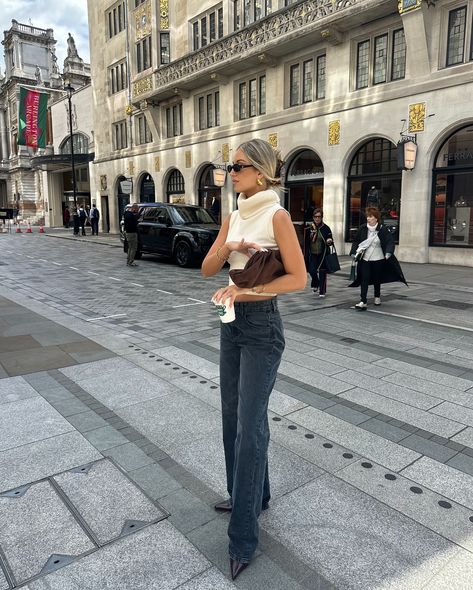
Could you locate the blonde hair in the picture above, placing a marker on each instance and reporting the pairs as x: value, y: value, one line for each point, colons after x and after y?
x: 264, y: 158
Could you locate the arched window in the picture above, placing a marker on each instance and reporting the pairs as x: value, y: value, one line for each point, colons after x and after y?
x: 305, y: 181
x: 80, y: 144
x: 147, y: 191
x: 374, y: 180
x: 175, y: 184
x: 452, y: 192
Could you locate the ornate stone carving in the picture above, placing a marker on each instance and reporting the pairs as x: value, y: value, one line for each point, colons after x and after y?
x: 406, y: 5
x: 131, y: 168
x: 157, y: 164
x: 143, y: 25
x: 188, y: 156
x: 273, y: 139
x: 164, y: 14
x: 143, y: 85
x: 251, y: 41
x: 103, y: 182
x: 334, y: 132
x: 226, y: 152
x: 416, y: 117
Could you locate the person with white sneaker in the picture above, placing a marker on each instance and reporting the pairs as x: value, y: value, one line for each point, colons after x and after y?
x: 373, y: 249
x: 317, y: 239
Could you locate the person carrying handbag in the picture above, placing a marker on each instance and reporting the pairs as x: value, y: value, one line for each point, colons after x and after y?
x: 317, y: 240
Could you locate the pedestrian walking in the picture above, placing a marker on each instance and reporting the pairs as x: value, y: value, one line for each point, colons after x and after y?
x: 94, y: 219
x: 75, y: 220
x: 130, y: 219
x: 317, y: 240
x: 373, y: 251
x: 251, y: 346
x: 66, y: 216
x: 82, y: 219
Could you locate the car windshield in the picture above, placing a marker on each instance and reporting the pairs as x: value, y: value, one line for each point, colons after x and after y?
x: 187, y: 215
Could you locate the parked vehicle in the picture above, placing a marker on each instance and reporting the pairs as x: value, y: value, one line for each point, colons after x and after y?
x: 182, y: 232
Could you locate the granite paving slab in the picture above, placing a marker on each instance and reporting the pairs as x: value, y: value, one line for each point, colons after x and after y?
x: 14, y: 389
x: 423, y: 507
x: 465, y: 437
x: 342, y: 349
x: 322, y: 366
x: 432, y: 390
x: 34, y: 461
x: 189, y: 361
x: 36, y: 526
x: 212, y: 579
x: 172, y: 421
x: 28, y: 420
x: 35, y: 359
x: 404, y: 412
x: 355, y: 541
x: 3, y: 582
x: 456, y: 575
x: 124, y: 388
x: 354, y: 438
x: 311, y: 447
x: 455, y: 412
x: 205, y: 459
x: 106, y: 499
x: 283, y: 404
x: 17, y: 343
x: 347, y: 362
x: 102, y: 367
x: 206, y: 391
x: 389, y: 390
x: 428, y: 374
x: 442, y: 479
x: 155, y: 558
x: 324, y: 382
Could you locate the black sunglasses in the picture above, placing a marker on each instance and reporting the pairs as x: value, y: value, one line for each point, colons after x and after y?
x: 238, y: 167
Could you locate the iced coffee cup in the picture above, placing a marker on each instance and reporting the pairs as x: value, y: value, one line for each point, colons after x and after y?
x: 225, y: 312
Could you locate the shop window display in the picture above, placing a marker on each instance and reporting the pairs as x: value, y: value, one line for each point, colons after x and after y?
x: 452, y: 202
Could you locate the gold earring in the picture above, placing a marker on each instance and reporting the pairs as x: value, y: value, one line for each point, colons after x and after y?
x: 259, y: 182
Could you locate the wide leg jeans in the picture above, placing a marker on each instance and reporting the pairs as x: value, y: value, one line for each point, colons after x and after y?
x: 250, y: 353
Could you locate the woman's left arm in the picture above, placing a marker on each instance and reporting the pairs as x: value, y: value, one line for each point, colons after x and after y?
x: 295, y: 278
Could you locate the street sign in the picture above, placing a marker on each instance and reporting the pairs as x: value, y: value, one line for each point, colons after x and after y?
x: 126, y: 186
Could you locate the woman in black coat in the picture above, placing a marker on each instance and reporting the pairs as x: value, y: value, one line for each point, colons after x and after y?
x: 317, y: 239
x: 373, y: 249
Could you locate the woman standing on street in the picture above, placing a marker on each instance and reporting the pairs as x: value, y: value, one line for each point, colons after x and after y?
x: 252, y: 345
x: 317, y: 239
x: 373, y: 249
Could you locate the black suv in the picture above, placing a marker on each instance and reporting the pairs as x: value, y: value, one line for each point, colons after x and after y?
x: 183, y: 232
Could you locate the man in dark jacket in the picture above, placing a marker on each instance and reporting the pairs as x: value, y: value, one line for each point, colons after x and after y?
x: 130, y: 219
x: 82, y: 219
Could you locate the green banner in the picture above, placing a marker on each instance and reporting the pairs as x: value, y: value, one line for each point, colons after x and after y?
x: 32, y: 129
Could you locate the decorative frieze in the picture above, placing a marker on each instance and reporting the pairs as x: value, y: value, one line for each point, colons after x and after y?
x: 300, y: 18
x: 273, y: 139
x: 157, y: 164
x: 334, y: 132
x: 416, y: 117
x: 188, y: 156
x: 131, y: 168
x: 226, y: 152
x: 142, y: 85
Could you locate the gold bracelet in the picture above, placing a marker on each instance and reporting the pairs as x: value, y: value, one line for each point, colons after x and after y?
x: 222, y: 258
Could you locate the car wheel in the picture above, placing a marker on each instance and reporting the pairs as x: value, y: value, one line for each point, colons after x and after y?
x: 183, y: 254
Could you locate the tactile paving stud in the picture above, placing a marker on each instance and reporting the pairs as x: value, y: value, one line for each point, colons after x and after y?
x: 328, y: 445
x: 309, y: 435
x: 444, y: 504
x: 416, y: 490
x: 367, y: 465
x: 132, y: 526
x: 390, y: 476
x: 276, y: 419
x: 292, y: 427
x: 347, y: 456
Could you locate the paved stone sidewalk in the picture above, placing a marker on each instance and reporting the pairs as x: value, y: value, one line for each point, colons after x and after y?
x: 371, y: 454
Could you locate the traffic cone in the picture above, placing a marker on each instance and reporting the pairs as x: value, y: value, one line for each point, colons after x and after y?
x: 18, y: 229
x: 29, y: 230
x: 41, y: 229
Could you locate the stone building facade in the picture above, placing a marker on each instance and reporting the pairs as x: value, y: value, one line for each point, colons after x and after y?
x: 334, y: 84
x: 31, y: 62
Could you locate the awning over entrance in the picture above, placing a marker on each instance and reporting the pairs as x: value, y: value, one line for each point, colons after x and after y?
x: 58, y: 162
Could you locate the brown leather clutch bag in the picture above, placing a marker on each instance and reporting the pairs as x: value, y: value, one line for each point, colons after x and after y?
x: 261, y: 268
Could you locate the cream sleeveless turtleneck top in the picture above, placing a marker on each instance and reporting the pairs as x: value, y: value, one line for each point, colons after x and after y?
x: 253, y: 221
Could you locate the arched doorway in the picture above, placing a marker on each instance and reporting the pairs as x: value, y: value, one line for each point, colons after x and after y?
x: 175, y: 188
x: 122, y: 199
x: 209, y: 194
x: 147, y: 191
x: 305, y: 181
x: 452, y: 191
x: 374, y: 179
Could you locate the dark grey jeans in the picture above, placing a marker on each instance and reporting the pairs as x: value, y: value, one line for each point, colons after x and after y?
x: 250, y: 352
x: 132, y: 239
